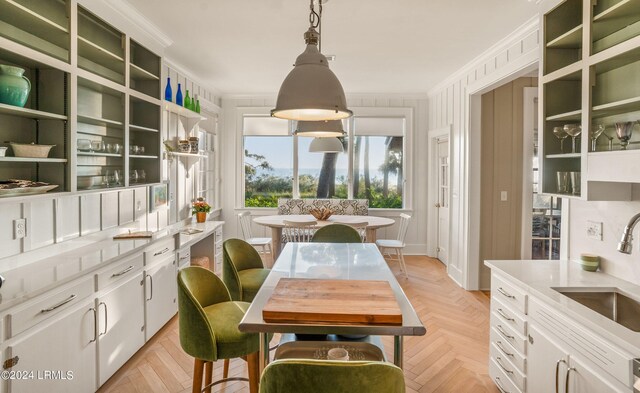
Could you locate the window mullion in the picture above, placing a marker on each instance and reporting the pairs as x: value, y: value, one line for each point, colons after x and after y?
x: 296, y: 189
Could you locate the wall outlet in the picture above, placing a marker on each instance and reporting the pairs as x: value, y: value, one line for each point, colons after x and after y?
x: 503, y: 196
x: 594, y: 230
x: 19, y: 228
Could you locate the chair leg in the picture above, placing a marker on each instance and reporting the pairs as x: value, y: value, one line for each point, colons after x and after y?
x: 402, y: 264
x: 254, y: 372
x: 208, y: 375
x: 198, y: 366
x: 225, y: 369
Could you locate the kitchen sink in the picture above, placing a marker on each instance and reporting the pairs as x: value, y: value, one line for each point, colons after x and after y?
x: 609, y: 302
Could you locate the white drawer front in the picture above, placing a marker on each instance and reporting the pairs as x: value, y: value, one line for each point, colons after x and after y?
x: 504, y: 383
x: 48, y: 305
x: 159, y: 251
x: 119, y: 271
x: 508, y: 294
x: 508, y: 368
x: 509, y: 334
x: 509, y: 316
x: 507, y: 350
x: 184, y: 257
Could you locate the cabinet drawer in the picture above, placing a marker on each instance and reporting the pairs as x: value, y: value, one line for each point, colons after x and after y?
x: 184, y: 257
x: 508, y: 294
x: 509, y: 334
x: 509, y: 316
x: 508, y: 368
x: 48, y: 305
x: 508, y: 350
x: 499, y: 377
x: 118, y: 271
x: 159, y: 250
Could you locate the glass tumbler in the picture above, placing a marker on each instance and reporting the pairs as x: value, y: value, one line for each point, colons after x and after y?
x: 575, y: 183
x: 133, y: 176
x: 563, y: 182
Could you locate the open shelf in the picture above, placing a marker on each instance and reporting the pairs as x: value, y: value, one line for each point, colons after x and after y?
x: 614, y: 24
x: 97, y: 121
x: 139, y: 73
x: 133, y: 127
x: 35, y: 23
x: 182, y: 111
x: 563, y: 155
x: 191, y: 155
x: 142, y: 156
x: 98, y: 154
x: 31, y: 159
x: 567, y: 116
x: 616, y: 108
x: 572, y: 39
x: 29, y: 113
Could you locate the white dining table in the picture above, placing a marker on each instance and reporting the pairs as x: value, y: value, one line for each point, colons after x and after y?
x: 276, y: 223
x: 338, y: 261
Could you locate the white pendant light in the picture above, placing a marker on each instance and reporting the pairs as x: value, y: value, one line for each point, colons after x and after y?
x: 311, y: 91
x: 326, y: 145
x: 320, y: 129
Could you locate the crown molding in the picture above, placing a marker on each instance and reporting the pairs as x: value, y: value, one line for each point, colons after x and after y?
x: 505, y: 43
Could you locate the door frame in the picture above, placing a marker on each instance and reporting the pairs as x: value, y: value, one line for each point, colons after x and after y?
x: 432, y: 189
x: 528, y: 129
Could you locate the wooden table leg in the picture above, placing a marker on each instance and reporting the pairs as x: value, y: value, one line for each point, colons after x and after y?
x: 371, y: 235
x: 276, y: 239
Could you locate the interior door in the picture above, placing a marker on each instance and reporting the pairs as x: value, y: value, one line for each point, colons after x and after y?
x: 443, y: 200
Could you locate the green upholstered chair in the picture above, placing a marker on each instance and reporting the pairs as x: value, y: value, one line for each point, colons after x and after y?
x: 325, y: 376
x: 337, y: 233
x: 208, y: 321
x: 242, y: 269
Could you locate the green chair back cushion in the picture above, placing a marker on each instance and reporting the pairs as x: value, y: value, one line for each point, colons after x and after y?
x: 324, y: 376
x: 336, y: 233
x: 238, y: 255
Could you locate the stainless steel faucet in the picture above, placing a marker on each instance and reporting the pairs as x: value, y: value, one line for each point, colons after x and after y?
x: 626, y: 244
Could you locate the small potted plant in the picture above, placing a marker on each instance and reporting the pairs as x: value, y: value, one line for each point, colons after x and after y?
x: 200, y: 208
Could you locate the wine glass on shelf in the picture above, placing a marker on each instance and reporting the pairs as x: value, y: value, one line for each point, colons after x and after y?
x: 117, y: 177
x: 623, y: 132
x: 133, y: 176
x: 142, y: 176
x: 562, y: 135
x: 574, y: 130
x: 594, y: 134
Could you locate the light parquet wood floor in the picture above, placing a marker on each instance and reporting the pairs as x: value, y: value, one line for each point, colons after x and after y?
x: 451, y: 357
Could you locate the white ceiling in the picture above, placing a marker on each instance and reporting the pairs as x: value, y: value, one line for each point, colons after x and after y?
x: 392, y: 46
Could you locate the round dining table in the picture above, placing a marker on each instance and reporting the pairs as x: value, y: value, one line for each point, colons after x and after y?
x: 276, y: 223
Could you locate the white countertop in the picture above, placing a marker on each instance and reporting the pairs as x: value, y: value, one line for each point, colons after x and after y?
x: 30, y: 274
x: 539, y: 278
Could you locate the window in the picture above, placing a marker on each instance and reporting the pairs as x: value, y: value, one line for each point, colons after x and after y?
x: 378, y: 164
x: 268, y: 161
x: 279, y: 165
x: 322, y: 175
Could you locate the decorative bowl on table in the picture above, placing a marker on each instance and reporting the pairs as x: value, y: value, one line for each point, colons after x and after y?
x: 30, y: 150
x: 321, y: 214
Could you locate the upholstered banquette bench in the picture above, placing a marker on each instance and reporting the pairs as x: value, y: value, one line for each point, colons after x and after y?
x: 353, y: 207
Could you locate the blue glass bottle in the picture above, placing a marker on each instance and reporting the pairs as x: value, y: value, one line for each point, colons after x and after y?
x: 168, y: 94
x: 179, y: 96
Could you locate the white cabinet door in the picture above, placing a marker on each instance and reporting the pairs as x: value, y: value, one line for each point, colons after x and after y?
x: 161, y: 295
x: 584, y: 379
x: 544, y: 358
x: 58, y: 355
x: 121, y: 325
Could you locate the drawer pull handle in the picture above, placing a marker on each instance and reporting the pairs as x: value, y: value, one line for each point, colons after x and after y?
x: 125, y: 271
x: 501, y: 330
x: 185, y: 257
x: 161, y: 252
x: 499, y: 384
x: 506, y: 370
x: 566, y: 381
x: 505, y: 316
x: 499, y: 345
x: 58, y: 305
x: 505, y: 293
x: 95, y: 325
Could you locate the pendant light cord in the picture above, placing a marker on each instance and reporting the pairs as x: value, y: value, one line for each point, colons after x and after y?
x: 315, y: 21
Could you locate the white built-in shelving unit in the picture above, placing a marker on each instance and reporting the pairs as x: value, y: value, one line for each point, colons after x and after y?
x: 589, y: 71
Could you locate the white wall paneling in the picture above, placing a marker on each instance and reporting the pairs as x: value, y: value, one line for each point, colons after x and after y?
x: 455, y: 102
x: 125, y: 207
x: 109, y: 210
x: 67, y: 218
